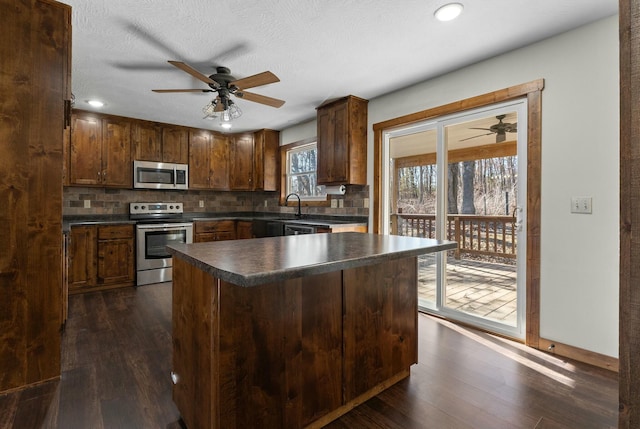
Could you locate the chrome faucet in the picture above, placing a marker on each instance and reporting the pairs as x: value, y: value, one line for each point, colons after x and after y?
x: 286, y: 200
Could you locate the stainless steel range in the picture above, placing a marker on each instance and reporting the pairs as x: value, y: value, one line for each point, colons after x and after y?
x: 159, y: 224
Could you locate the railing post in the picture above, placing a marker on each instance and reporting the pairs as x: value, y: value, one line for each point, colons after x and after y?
x: 457, y: 236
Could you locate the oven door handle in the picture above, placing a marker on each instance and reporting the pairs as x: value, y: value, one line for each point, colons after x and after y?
x: 165, y: 226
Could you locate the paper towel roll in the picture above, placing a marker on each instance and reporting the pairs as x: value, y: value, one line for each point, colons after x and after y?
x: 336, y: 190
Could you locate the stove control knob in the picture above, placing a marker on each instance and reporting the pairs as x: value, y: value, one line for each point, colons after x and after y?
x: 143, y: 207
x: 135, y: 207
x: 171, y: 207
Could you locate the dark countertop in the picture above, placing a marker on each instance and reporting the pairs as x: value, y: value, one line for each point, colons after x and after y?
x: 315, y: 220
x: 265, y: 260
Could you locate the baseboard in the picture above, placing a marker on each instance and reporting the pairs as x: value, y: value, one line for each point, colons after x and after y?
x: 581, y: 355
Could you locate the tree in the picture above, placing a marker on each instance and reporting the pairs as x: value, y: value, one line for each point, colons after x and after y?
x: 468, y: 173
x: 452, y: 195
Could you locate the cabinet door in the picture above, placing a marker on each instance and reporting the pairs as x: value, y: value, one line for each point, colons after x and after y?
x: 115, y: 261
x: 340, y: 152
x: 266, y: 169
x: 116, y: 153
x: 199, y: 169
x: 220, y: 163
x: 82, y: 258
x: 175, y: 145
x: 244, y: 229
x: 241, y: 161
x: 324, y: 145
x: 147, y: 141
x: 85, y: 165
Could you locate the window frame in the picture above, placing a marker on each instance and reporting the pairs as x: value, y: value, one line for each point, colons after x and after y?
x: 309, y: 202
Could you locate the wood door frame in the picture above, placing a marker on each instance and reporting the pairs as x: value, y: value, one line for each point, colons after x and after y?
x: 629, y: 316
x: 533, y: 92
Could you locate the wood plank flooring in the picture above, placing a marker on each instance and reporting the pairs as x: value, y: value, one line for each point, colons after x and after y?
x: 117, y: 358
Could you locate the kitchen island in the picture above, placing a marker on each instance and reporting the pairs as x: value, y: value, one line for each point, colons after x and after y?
x: 295, y: 331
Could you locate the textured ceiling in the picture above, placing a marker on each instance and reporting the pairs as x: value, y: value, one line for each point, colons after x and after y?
x: 320, y: 49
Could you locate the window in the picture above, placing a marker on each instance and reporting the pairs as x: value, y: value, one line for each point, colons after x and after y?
x: 301, y: 177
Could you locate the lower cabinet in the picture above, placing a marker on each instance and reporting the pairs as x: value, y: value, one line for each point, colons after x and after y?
x: 101, y: 257
x: 244, y: 229
x: 214, y: 230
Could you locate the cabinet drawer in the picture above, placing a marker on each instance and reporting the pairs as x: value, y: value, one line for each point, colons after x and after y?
x: 214, y: 226
x: 111, y: 232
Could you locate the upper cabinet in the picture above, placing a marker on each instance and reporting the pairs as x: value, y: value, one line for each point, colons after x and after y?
x: 342, y: 141
x: 208, y: 160
x: 266, y: 157
x: 100, y: 153
x: 162, y: 143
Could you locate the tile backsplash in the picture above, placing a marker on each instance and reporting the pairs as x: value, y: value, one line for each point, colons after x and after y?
x: 103, y: 201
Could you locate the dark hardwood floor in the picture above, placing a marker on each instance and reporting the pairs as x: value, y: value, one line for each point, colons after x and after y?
x: 117, y: 358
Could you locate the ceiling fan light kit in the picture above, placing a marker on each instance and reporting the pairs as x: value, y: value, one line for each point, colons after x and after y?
x: 448, y: 11
x: 226, y: 85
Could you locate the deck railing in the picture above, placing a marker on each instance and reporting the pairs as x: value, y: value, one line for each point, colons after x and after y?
x: 480, y: 235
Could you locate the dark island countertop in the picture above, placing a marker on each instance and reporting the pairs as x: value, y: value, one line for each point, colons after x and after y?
x: 265, y: 260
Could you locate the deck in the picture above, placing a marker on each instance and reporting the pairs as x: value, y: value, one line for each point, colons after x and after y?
x: 476, y: 287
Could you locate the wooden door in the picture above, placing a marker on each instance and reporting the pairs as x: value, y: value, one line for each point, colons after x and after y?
x: 175, y: 145
x: 116, y: 153
x: 199, y: 159
x: 219, y: 162
x: 82, y: 258
x: 147, y: 141
x: 241, y: 162
x: 85, y: 165
x: 244, y: 229
x: 266, y: 166
x: 115, y: 261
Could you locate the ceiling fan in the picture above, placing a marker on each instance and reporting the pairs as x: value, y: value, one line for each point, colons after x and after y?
x: 226, y: 85
x: 500, y: 129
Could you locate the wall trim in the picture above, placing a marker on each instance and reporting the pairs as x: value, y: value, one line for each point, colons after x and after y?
x: 581, y: 355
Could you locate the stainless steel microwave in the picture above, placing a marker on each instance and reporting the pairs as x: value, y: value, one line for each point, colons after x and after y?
x: 160, y: 175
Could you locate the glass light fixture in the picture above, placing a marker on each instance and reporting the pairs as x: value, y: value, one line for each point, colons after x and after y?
x: 209, y: 110
x: 231, y: 112
x: 448, y: 11
x: 95, y: 103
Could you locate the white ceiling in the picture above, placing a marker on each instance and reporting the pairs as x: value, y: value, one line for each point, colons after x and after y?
x: 320, y: 49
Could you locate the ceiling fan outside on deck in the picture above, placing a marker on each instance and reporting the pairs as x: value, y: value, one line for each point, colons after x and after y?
x: 500, y: 130
x: 226, y: 85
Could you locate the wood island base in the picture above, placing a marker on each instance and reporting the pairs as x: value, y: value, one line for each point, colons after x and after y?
x: 296, y: 353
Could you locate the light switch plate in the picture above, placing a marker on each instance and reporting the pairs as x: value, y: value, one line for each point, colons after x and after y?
x: 87, y: 204
x: 334, y: 203
x: 581, y: 205
x: 201, y: 203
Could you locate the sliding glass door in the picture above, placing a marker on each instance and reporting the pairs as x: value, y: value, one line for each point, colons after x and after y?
x: 463, y: 178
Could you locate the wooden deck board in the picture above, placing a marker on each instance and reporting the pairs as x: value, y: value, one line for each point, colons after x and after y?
x: 479, y: 288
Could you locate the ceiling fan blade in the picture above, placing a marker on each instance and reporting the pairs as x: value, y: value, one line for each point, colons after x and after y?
x: 257, y: 98
x: 485, y: 129
x: 182, y: 90
x: 193, y: 72
x: 479, y: 135
x: 255, y: 80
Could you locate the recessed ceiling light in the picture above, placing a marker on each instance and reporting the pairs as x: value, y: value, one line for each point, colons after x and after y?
x: 95, y: 103
x: 448, y: 11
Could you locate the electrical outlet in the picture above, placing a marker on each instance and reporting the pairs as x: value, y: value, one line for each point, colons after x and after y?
x: 365, y: 203
x: 334, y: 203
x: 87, y: 204
x: 201, y: 203
x: 265, y: 203
x: 581, y: 205
x: 340, y: 203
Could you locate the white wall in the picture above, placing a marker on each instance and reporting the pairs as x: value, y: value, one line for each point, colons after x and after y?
x: 580, y: 157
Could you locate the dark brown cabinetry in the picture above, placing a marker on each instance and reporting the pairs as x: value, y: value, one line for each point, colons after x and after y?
x: 266, y: 173
x: 241, y: 162
x: 162, y: 143
x: 342, y: 141
x: 100, y: 151
x: 101, y: 257
x: 214, y: 230
x: 208, y: 160
x: 35, y: 89
x: 244, y: 229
